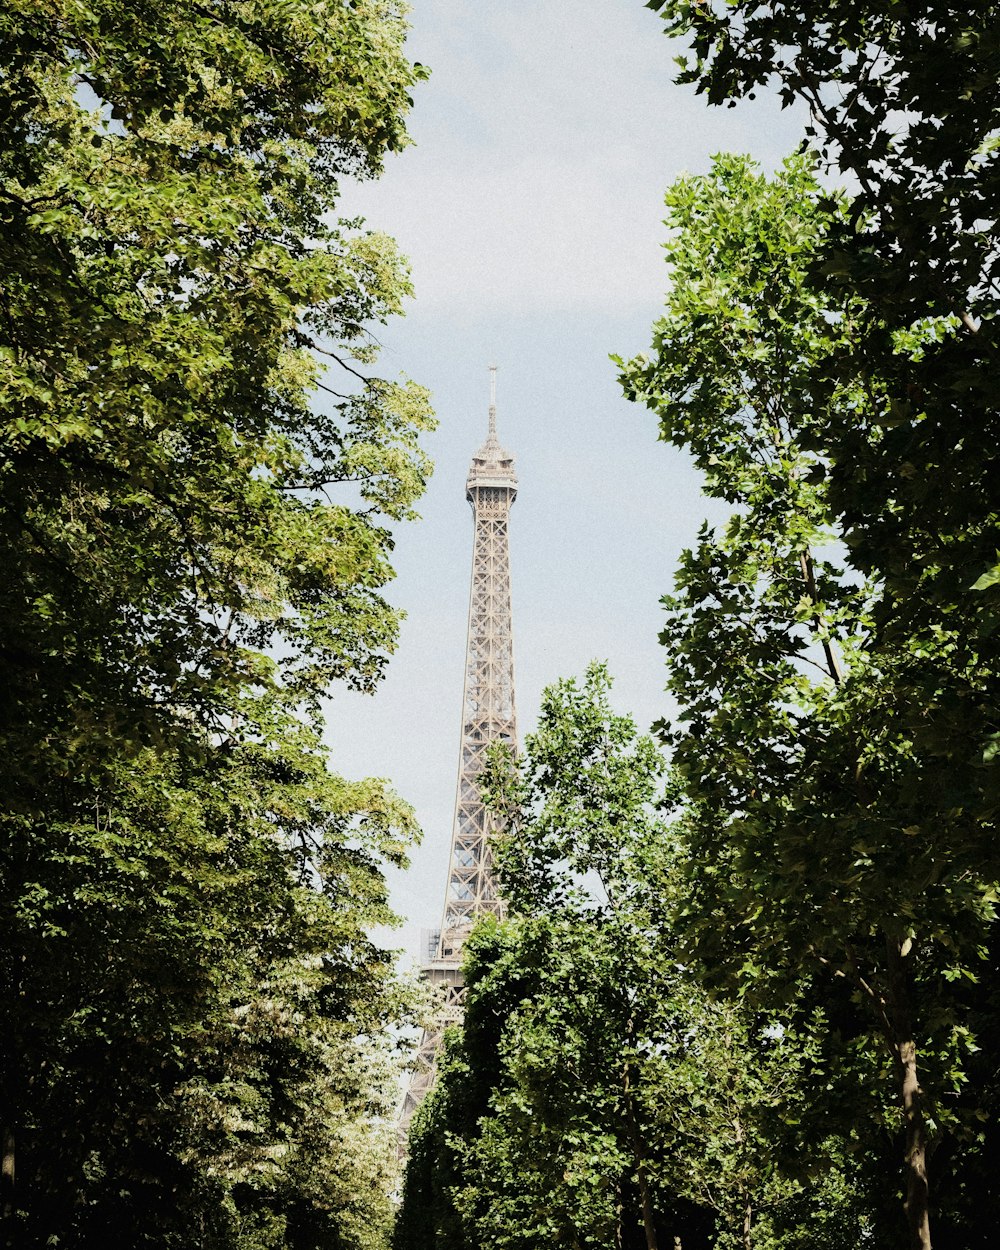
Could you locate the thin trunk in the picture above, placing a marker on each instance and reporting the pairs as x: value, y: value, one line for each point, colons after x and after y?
x: 748, y: 1208
x: 809, y: 577
x: 970, y: 323
x: 917, y: 1205
x: 7, y: 1171
x: 808, y: 570
x: 648, y: 1220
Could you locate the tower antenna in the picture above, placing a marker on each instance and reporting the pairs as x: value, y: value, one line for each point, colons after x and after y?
x: 493, y: 401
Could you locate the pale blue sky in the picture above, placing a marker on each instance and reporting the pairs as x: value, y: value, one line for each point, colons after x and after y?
x: 531, y: 210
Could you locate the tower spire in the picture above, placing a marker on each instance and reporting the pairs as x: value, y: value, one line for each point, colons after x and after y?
x: 493, y: 401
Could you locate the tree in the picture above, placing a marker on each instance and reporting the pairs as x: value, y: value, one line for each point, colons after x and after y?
x: 597, y: 1096
x: 468, y: 1071
x: 169, y: 265
x: 194, y: 551
x: 903, y: 99
x: 822, y: 834
x: 203, y: 1047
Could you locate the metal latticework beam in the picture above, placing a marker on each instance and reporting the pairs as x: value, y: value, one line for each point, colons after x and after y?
x: 488, y: 715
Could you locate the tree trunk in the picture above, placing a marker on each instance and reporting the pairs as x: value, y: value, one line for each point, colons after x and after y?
x: 747, y: 1224
x: 648, y: 1218
x: 916, y: 1205
x: 7, y: 1171
x: 648, y: 1222
x: 809, y: 577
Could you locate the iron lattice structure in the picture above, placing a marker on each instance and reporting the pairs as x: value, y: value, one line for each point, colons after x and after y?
x: 488, y: 715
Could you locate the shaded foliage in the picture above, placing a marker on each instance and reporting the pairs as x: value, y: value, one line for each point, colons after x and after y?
x: 597, y: 1095
x: 828, y: 831
x: 195, y: 1019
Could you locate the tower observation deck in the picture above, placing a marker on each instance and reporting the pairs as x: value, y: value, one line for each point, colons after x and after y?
x: 488, y: 715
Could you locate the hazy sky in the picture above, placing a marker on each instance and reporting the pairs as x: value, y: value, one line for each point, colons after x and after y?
x: 531, y: 209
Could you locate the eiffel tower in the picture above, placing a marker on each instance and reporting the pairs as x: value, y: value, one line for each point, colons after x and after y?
x: 488, y: 715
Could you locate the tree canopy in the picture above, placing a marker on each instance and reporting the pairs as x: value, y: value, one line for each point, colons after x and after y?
x: 903, y: 102
x: 198, y: 473
x: 827, y: 360
x: 891, y: 425
x: 597, y: 1096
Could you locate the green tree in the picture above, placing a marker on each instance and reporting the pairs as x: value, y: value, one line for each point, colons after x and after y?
x: 597, y: 1096
x: 170, y: 263
x: 202, y: 1048
x: 195, y: 549
x: 701, y: 1098
x: 823, y: 835
x: 468, y: 1071
x: 903, y: 99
